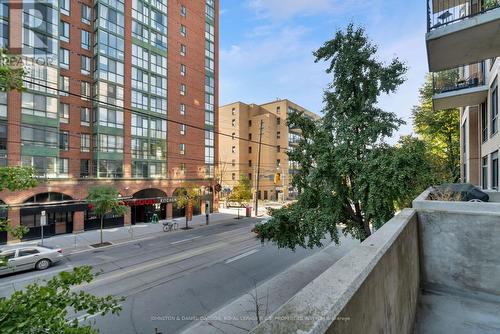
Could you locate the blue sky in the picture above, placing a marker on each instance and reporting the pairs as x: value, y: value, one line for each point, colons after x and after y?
x: 266, y: 48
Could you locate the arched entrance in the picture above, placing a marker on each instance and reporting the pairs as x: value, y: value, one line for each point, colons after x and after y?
x: 59, y: 211
x: 146, y: 203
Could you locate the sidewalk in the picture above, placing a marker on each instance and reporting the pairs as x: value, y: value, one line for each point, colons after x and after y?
x: 75, y: 243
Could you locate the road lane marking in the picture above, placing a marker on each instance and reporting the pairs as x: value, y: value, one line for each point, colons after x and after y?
x: 184, y: 240
x: 241, y: 256
x: 137, y: 269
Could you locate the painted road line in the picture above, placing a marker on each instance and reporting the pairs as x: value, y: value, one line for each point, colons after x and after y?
x: 141, y: 268
x: 241, y: 256
x: 184, y: 240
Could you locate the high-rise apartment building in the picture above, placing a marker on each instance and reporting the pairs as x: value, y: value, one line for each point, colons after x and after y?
x: 118, y: 92
x: 240, y: 125
x: 463, y: 46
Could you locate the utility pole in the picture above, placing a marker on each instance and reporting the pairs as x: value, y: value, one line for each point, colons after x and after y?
x: 258, y: 168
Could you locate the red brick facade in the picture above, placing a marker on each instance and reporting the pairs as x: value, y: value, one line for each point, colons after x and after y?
x: 194, y: 80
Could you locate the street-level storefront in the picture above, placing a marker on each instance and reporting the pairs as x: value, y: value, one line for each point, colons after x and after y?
x: 148, y: 205
x: 59, y: 210
x: 93, y: 222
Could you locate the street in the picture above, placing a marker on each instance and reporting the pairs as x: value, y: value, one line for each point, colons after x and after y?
x: 173, y: 279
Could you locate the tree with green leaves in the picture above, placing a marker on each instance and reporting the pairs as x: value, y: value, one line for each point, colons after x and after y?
x: 440, y: 129
x: 44, y: 308
x: 187, y: 197
x: 104, y: 200
x: 349, y: 177
x: 242, y: 191
x: 15, y: 179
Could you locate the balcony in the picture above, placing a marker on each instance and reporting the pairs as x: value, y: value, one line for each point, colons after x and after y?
x: 432, y: 269
x: 461, y: 32
x: 460, y: 87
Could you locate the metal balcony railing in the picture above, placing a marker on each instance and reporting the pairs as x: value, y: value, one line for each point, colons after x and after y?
x: 459, y: 78
x: 444, y: 12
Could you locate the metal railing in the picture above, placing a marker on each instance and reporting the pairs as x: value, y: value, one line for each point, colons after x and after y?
x: 469, y: 76
x: 444, y: 12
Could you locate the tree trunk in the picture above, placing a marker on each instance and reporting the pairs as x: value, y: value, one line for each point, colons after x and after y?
x: 102, y: 226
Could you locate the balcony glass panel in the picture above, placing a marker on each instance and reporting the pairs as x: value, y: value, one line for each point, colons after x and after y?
x: 469, y: 76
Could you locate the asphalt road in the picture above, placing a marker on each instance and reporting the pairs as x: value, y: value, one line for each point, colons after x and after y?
x: 173, y: 279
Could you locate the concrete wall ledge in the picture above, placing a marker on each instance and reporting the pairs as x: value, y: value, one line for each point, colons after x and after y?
x: 423, y: 203
x: 320, y: 305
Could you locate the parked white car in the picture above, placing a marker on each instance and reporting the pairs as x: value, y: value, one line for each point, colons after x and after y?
x: 22, y: 258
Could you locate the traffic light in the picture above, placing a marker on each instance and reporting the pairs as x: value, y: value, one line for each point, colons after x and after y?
x: 277, y: 178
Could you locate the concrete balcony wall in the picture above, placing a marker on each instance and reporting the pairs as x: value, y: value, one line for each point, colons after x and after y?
x: 373, y: 289
x: 432, y: 269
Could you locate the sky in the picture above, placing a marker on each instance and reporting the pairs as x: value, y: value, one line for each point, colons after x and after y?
x: 266, y: 48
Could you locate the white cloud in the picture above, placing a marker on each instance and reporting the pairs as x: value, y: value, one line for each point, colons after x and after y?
x: 289, y: 8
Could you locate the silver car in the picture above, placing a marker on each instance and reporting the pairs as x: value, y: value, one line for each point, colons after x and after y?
x: 28, y: 257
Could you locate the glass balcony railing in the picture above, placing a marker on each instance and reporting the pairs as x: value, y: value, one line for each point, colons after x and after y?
x: 469, y: 76
x: 444, y: 12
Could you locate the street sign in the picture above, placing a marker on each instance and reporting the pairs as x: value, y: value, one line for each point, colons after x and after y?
x: 43, y: 222
x: 43, y: 219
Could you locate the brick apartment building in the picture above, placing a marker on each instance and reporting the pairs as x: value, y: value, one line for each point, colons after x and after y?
x: 118, y: 92
x: 240, y: 125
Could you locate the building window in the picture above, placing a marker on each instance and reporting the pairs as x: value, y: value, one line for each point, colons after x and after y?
x: 182, y: 109
x: 233, y: 111
x: 85, y: 40
x: 63, y: 166
x: 183, y: 50
x: 278, y: 110
x: 64, y: 6
x: 250, y: 137
x: 464, y: 138
x: 233, y: 123
x: 64, y: 113
x: 183, y: 30
x: 278, y: 121
x: 85, y: 116
x: 278, y: 163
x: 183, y: 11
x: 233, y: 163
x: 64, y: 58
x: 182, y: 149
x: 233, y: 176
x: 250, y: 124
x: 39, y: 136
x: 64, y: 140
x: 85, y: 142
x: 278, y: 148
x: 108, y: 143
x: 84, y: 168
x: 233, y: 149
x: 485, y: 174
x: 85, y: 90
x: 183, y: 70
x: 84, y: 65
x: 278, y: 135
x: 110, y: 169
x: 39, y: 105
x: 183, y: 89
x: 183, y: 169
x: 249, y: 163
x: 494, y: 170
x: 64, y: 31
x: 233, y: 135
x: 183, y: 129
x: 63, y: 85
x: 494, y: 110
x: 250, y: 149
x: 86, y: 14
x: 484, y: 122
x: 250, y: 177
